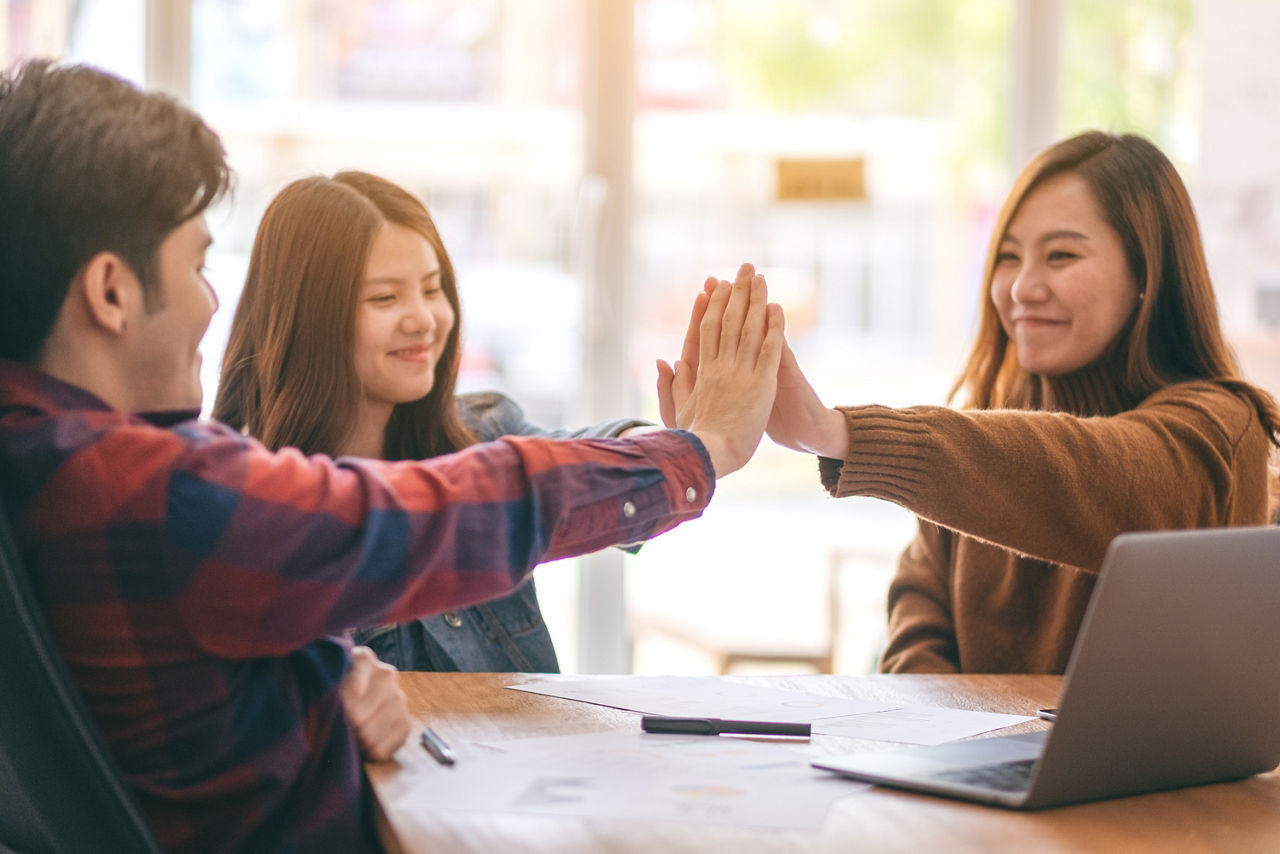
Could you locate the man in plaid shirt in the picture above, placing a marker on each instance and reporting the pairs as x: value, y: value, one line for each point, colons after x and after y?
x: 198, y: 585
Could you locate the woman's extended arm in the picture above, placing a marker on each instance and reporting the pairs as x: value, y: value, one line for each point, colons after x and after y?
x: 1059, y: 487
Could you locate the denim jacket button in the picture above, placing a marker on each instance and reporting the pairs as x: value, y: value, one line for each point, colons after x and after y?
x: 453, y: 618
x: 628, y: 510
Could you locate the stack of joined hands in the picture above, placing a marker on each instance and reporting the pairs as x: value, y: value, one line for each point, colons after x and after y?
x: 736, y: 370
x: 735, y: 380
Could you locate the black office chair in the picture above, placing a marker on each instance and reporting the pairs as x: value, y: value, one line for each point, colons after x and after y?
x: 60, y: 789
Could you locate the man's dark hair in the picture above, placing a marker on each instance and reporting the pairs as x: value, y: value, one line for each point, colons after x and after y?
x: 89, y: 163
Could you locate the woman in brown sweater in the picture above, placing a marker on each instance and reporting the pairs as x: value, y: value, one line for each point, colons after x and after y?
x: 1099, y: 397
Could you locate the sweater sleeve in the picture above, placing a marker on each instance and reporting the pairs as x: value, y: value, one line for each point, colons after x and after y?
x: 1059, y: 487
x: 922, y: 635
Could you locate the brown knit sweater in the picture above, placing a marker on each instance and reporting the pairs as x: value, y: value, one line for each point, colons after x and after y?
x: 1017, y: 508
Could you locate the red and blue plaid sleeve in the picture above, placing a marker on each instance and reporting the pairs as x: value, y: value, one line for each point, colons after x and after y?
x: 267, y: 551
x: 191, y: 578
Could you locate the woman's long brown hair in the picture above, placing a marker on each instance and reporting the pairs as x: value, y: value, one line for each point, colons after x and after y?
x: 1175, y: 334
x: 288, y: 376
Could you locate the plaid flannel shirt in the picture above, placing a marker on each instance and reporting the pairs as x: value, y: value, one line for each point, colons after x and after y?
x: 198, y: 586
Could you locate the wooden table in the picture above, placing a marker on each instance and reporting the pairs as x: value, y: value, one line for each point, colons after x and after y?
x: 1230, y: 817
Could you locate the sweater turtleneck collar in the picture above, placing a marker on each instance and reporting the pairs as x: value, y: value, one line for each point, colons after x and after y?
x: 1096, y: 389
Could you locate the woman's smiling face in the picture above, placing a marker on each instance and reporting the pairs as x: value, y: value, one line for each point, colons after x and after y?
x: 1062, y: 283
x: 403, y: 319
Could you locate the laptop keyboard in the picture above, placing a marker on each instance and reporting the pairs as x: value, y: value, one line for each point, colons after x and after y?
x: 1003, y: 776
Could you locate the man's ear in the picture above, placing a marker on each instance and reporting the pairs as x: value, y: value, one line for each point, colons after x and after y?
x: 110, y: 290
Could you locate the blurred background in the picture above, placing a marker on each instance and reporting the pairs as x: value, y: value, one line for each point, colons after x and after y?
x: 590, y: 162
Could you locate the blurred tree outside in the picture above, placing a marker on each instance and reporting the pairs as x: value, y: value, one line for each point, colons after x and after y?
x: 935, y: 58
x: 1132, y: 67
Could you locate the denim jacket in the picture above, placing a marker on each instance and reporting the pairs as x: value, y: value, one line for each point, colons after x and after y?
x: 501, y: 635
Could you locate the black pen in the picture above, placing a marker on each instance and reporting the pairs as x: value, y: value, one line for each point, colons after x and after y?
x: 435, y: 745
x: 716, y: 726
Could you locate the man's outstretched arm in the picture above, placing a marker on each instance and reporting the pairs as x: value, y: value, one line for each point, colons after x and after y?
x: 271, y: 550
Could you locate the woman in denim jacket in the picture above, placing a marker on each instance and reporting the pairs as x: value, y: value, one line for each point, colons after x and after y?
x: 345, y: 342
x: 507, y: 633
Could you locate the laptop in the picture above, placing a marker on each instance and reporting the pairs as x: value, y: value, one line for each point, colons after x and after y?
x: 1174, y: 681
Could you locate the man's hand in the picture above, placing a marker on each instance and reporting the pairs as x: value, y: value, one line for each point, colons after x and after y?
x: 723, y: 385
x: 375, y: 705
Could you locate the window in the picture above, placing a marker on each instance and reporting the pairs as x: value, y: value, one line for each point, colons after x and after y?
x: 104, y: 33
x: 477, y: 106
x: 879, y: 288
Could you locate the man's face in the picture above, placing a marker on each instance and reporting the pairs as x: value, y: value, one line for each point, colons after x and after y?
x: 164, y: 355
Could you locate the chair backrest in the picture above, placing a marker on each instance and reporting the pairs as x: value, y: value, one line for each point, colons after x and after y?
x: 60, y: 789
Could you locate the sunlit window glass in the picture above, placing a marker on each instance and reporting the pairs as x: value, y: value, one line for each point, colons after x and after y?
x: 854, y: 152
x: 1133, y: 66
x: 107, y: 33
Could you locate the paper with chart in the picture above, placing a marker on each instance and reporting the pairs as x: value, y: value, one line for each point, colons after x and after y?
x: 698, y: 696
x: 917, y: 724
x: 624, y: 775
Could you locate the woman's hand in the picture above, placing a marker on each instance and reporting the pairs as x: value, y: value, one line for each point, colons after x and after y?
x: 799, y: 420
x: 675, y: 383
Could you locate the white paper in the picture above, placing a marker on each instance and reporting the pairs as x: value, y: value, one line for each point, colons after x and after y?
x: 917, y: 724
x: 623, y: 775
x: 705, y: 697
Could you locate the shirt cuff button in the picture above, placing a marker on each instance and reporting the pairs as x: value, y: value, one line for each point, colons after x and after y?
x: 628, y: 510
x: 691, y: 495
